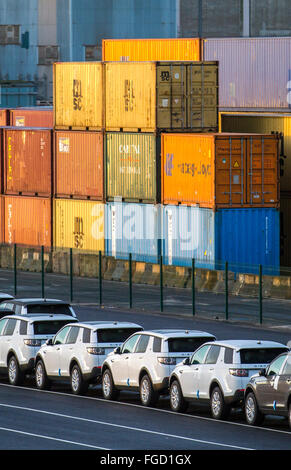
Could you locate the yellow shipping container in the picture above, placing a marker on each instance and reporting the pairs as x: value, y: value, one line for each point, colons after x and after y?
x: 130, y: 50
x: 168, y: 96
x: 78, y: 224
x: 263, y: 123
x: 78, y: 95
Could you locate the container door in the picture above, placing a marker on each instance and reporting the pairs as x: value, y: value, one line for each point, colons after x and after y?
x: 202, y: 107
x: 171, y: 96
x: 230, y: 169
x: 262, y: 171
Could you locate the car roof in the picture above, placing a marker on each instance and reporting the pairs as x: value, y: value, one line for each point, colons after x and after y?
x: 5, y: 296
x: 34, y: 300
x: 238, y: 344
x: 42, y: 317
x: 108, y: 324
x: 178, y: 333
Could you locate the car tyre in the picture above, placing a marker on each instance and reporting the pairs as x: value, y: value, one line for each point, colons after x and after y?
x: 219, y: 409
x: 78, y: 385
x: 148, y: 396
x: 15, y: 375
x: 41, y: 379
x: 177, y: 401
x: 108, y: 388
x: 252, y: 413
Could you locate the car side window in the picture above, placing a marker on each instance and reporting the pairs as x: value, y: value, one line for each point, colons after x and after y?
x: 228, y: 356
x: 23, y: 327
x: 8, y: 306
x: 199, y: 355
x: 157, y: 346
x: 275, y: 367
x: 9, y: 328
x: 2, y: 325
x: 287, y: 367
x: 142, y: 344
x: 72, y: 336
x: 129, y: 344
x: 212, y: 355
x: 60, y: 337
x: 86, y: 335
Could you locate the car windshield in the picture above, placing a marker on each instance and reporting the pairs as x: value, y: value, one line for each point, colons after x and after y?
x: 259, y: 355
x: 50, y: 327
x: 186, y: 344
x: 59, y: 309
x: 115, y: 335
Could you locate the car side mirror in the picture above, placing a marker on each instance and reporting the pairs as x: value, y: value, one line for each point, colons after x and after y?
x: 117, y: 350
x: 262, y: 373
x: 49, y: 342
x: 186, y: 361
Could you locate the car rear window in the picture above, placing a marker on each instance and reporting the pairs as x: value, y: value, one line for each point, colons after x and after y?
x: 115, y: 335
x: 186, y: 344
x: 260, y: 355
x: 62, y: 309
x: 48, y: 327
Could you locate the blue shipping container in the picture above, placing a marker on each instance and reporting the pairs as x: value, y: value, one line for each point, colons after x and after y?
x: 132, y: 228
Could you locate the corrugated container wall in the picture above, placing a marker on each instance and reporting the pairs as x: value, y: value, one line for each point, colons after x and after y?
x: 27, y: 161
x: 220, y: 170
x: 133, y: 228
x: 4, y: 117
x: 31, y: 117
x: 130, y: 50
x: 78, y: 95
x: 285, y: 229
x: 78, y: 164
x: 132, y: 166
x: 243, y: 237
x: 264, y: 123
x: 27, y: 220
x: 149, y: 96
x: 78, y: 224
x: 254, y: 73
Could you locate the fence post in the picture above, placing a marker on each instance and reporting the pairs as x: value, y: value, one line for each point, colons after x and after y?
x: 261, y: 294
x: 193, y: 287
x: 130, y: 281
x: 161, y: 285
x: 42, y: 272
x: 15, y: 270
x: 100, y: 278
x: 226, y: 290
x: 71, y: 274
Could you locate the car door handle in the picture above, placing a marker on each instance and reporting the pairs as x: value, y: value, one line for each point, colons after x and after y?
x: 211, y: 368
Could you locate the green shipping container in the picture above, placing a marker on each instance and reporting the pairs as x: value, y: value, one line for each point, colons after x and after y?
x: 132, y: 167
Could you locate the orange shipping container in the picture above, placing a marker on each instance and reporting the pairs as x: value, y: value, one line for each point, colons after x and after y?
x: 27, y: 220
x: 124, y: 50
x: 220, y: 170
x: 27, y: 161
x: 79, y: 164
x: 32, y: 117
x: 4, y: 117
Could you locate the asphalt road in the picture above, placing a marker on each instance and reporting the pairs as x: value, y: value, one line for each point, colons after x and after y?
x: 57, y: 420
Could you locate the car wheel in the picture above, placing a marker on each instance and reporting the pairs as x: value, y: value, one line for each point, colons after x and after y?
x: 148, y: 396
x: 78, y: 385
x: 252, y: 412
x: 219, y: 409
x: 15, y: 375
x: 108, y: 388
x: 177, y: 401
x: 41, y: 379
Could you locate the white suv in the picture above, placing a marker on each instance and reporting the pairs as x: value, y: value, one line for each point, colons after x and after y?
x: 218, y: 373
x: 145, y: 361
x: 21, y: 338
x: 77, y: 351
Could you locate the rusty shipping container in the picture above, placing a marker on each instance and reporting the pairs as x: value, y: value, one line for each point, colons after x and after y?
x: 131, y: 50
x: 78, y: 164
x: 32, y: 117
x: 161, y: 96
x: 78, y: 95
x: 27, y: 220
x: 78, y: 224
x: 132, y: 167
x: 220, y: 170
x: 27, y: 161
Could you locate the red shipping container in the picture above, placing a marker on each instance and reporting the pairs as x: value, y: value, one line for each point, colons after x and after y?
x: 79, y: 164
x: 27, y: 220
x: 32, y: 117
x: 27, y: 161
